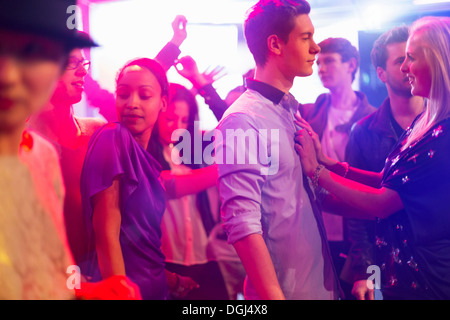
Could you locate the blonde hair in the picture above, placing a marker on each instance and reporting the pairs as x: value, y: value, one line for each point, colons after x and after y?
x: 434, y: 36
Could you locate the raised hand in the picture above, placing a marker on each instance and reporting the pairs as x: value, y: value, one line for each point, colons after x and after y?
x: 179, y: 30
x: 215, y: 74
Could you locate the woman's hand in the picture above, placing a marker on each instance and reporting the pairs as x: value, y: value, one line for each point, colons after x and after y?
x: 317, y: 145
x: 187, y: 68
x: 321, y: 157
x: 305, y: 147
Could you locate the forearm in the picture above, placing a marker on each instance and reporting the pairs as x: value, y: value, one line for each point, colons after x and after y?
x: 337, y: 206
x: 190, y: 183
x: 110, y: 258
x: 367, y: 200
x: 367, y: 178
x: 168, y: 54
x: 213, y: 100
x: 257, y: 262
x: 106, y: 221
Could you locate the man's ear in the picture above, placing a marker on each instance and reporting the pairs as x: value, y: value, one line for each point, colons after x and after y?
x: 381, y: 73
x: 353, y: 65
x: 274, y: 44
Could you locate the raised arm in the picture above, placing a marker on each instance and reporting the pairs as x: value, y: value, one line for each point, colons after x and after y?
x: 170, y: 52
x: 202, y: 82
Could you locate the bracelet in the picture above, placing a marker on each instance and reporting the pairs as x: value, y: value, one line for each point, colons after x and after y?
x: 316, y: 176
x: 346, y: 167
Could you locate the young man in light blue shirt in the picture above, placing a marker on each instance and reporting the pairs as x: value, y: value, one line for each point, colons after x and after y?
x: 268, y: 208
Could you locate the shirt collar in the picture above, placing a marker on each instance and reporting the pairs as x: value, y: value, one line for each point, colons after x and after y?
x: 287, y: 101
x: 266, y: 90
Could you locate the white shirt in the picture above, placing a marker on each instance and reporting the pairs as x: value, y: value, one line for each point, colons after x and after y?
x: 184, y: 238
x: 333, y: 144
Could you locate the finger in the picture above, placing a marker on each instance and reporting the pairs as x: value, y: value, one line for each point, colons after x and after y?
x: 180, y: 19
x: 299, y: 134
x: 303, y: 123
x: 301, y: 131
x: 301, y: 138
x: 358, y: 295
x: 298, y: 148
x: 300, y: 119
x: 216, y: 70
x: 216, y: 73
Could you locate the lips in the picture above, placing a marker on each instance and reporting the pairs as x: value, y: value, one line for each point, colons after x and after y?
x: 132, y: 117
x: 78, y: 84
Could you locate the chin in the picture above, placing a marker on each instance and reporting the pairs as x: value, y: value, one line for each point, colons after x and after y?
x: 305, y: 73
x: 419, y: 93
x: 75, y: 99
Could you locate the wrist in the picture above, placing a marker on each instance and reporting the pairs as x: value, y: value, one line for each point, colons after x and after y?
x: 198, y: 81
x: 327, y: 161
x: 346, y: 167
x: 177, y: 40
x: 315, y: 176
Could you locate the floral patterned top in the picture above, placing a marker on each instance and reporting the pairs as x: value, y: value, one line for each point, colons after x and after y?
x: 414, y: 243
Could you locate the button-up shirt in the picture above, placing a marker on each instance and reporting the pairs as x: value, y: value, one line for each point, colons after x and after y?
x: 269, y: 196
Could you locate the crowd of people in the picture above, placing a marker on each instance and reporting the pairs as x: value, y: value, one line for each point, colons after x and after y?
x: 338, y: 186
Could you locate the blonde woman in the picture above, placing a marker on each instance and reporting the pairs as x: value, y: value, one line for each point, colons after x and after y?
x: 410, y: 196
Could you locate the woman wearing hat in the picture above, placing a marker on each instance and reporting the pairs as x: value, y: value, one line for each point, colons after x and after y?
x: 34, y: 255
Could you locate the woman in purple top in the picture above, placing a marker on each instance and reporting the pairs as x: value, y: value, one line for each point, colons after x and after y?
x: 123, y: 199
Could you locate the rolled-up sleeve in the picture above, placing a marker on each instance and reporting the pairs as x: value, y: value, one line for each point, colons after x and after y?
x: 240, y: 184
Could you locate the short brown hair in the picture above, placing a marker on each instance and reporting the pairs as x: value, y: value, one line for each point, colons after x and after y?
x: 268, y: 17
